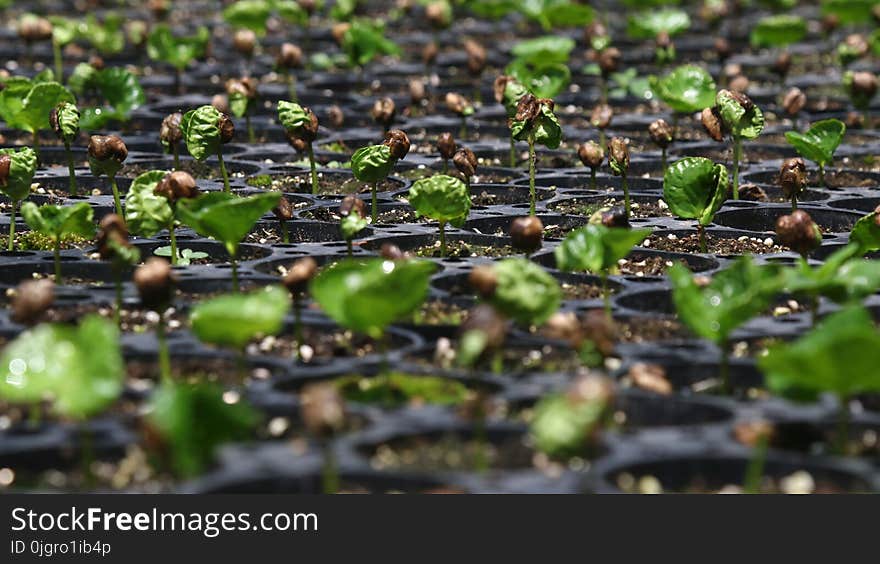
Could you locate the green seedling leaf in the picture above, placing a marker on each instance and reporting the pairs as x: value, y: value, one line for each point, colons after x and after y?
x: 22, y: 166
x: 292, y: 116
x: 687, y: 89
x: 596, y: 248
x: 650, y: 24
x: 147, y: 213
x: 395, y: 389
x: 248, y: 14
x: 201, y: 131
x: 79, y: 368
x: 543, y: 79
x: 442, y: 198
x: 194, y: 420
x: 351, y: 225
x: 562, y: 428
x: 866, y: 233
x: 107, y: 37
x: 844, y: 277
x: 39, y: 101
x: 57, y: 222
x: 234, y: 320
x: 67, y: 115
x: 64, y: 30
x: 368, y: 295
x: 568, y: 14
x: 185, y: 257
x: 695, y: 188
x: 163, y: 46
x: 121, y: 90
x: 734, y: 296
x: 547, y: 49
x: 819, y: 142
x: 849, y: 11
x: 365, y: 40
x: 545, y: 129
x: 373, y: 163
x: 839, y: 356
x: 778, y: 31
x: 745, y: 123
x: 225, y: 217
x: 525, y: 291
x: 513, y: 91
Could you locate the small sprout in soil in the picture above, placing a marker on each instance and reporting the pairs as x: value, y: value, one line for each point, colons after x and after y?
x: 518, y: 289
x: 283, y: 213
x: 696, y: 188
x: 661, y: 134
x: 446, y: 147
x: 742, y: 119
x: 591, y: 155
x: 58, y: 222
x: 243, y: 95
x: 567, y: 424
x: 151, y: 204
x: 793, y: 179
x: 466, y: 162
x: 64, y: 121
x: 839, y: 356
x: 113, y: 245
x: 482, y: 336
x: 205, y: 131
x: 322, y: 409
x: 535, y: 123
x: 155, y: 282
x: 170, y: 135
x: 374, y: 163
x: 384, y: 111
x: 297, y: 281
x: 460, y: 106
x: 713, y: 309
x: 861, y: 87
x: 353, y: 212
x: 17, y: 168
x: 226, y: 218
x: 527, y: 234
x: 443, y: 198
x: 618, y: 159
x: 289, y: 57
x: 853, y: 47
x: 106, y: 155
x: 866, y: 232
x: 757, y: 435
x: 818, y: 143
x: 31, y: 300
x: 508, y: 91
x: 597, y: 248
x: 794, y: 101
x: 179, y: 52
x: 686, y: 90
x: 600, y: 118
x: 301, y: 127
x: 798, y: 232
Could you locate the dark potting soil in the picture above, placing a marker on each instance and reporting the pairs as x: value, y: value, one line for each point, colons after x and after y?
x: 716, y: 245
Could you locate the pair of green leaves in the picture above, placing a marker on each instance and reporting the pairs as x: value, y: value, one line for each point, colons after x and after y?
x: 650, y: 24
x: 106, y: 36
x: 292, y: 116
x: 849, y: 11
x: 442, y: 198
x: 351, y: 225
x: 687, y: 89
x: 778, y: 31
x: 733, y: 296
x: 695, y: 188
x: 844, y: 277
x: 555, y: 14
x: 373, y: 163
x: 163, y: 45
x: 544, y: 130
x: 839, y: 356
x: 365, y: 40
x: 741, y: 122
x: 79, y: 367
x: 225, y: 217
x: 57, y: 222
x: 201, y: 131
x: 596, y: 248
x: 819, y: 142
x: 120, y: 89
x: 147, y: 213
x: 234, y: 320
x: 513, y: 91
x: 25, y: 104
x: 67, y: 115
x: 366, y: 296
x: 866, y: 233
x: 194, y: 420
x: 525, y: 292
x: 562, y: 428
x: 22, y: 166
x: 541, y: 66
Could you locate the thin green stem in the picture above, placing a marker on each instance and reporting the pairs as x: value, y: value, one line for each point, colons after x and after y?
x: 603, y: 142
x: 349, y: 246
x: 175, y: 151
x: 285, y: 236
x: 164, y: 355
x: 291, y: 86
x: 442, y: 239
x: 532, y: 174
x: 663, y: 160
x: 625, y: 185
x: 234, y: 262
x: 822, y: 175
x: 462, y: 132
x: 704, y: 245
x: 512, y: 151
x: 71, y: 170
x: 36, y: 137
x: 592, y: 178
x: 314, y: 170
x: 737, y: 155
x: 375, y: 204
x: 57, y: 256
x: 116, y: 200
x: 173, y: 237
x: 329, y: 474
x: 445, y: 166
x: 11, y: 244
x: 755, y: 469
x: 297, y: 321
x: 252, y: 137
x: 225, y: 174
x: 59, y: 65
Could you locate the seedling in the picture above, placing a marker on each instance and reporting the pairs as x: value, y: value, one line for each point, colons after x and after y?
x: 155, y: 283
x: 839, y: 356
x: 508, y: 91
x: 170, y: 135
x: 541, y: 65
x: 243, y: 98
x: 119, y: 88
x: 550, y: 14
x: 861, y: 88
x: 58, y: 222
x: 289, y: 57
x: 226, y: 218
x: 106, y: 36
x: 591, y: 155
x: 205, y: 131
x: 618, y: 158
x: 714, y: 309
x: 374, y: 163
x: 739, y: 117
x: 460, y: 106
x: 25, y: 104
x: 535, y: 123
x: 661, y: 134
x: 297, y: 280
x: 597, y: 248
x: 363, y: 40
x: 778, y: 31
x: 64, y: 32
x: 354, y: 219
x: 150, y: 207
x: 106, y: 155
x: 660, y: 26
x: 322, y: 409
x: 866, y: 232
x: 793, y: 179
x: 301, y: 125
x: 686, y: 90
x: 527, y: 234
x: 519, y: 289
x: 442, y: 198
x: 194, y: 420
x: 818, y: 143
x: 64, y: 120
x: 696, y: 188
x: 179, y: 52
x: 17, y: 167
x: 113, y: 245
x: 234, y: 320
